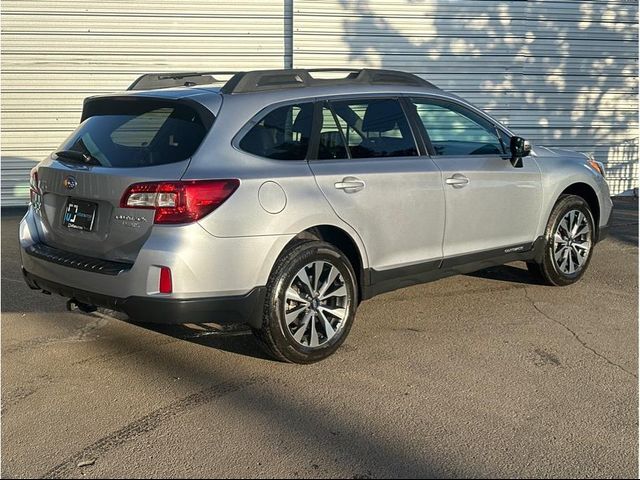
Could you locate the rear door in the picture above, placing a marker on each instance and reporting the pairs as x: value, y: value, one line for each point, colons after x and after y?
x: 369, y: 168
x: 490, y: 205
x: 121, y: 141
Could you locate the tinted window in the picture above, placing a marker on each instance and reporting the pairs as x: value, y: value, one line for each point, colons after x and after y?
x: 454, y: 130
x: 282, y: 134
x: 331, y: 140
x: 140, y: 130
x: 375, y: 128
x: 140, y: 135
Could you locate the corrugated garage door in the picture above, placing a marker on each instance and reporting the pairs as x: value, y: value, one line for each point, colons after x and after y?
x: 55, y: 53
x: 561, y: 73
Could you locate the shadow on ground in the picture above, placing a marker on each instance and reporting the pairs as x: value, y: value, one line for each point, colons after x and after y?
x: 238, y: 339
x: 624, y: 224
x: 506, y: 273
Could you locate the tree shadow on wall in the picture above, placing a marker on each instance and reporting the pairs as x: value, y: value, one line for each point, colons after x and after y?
x: 557, y: 75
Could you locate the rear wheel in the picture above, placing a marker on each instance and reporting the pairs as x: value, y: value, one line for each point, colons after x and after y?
x: 569, y: 243
x: 310, y: 303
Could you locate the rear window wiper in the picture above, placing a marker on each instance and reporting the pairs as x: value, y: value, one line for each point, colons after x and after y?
x: 78, y: 157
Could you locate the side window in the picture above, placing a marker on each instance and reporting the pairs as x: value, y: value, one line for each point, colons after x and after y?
x: 331, y: 140
x: 282, y: 134
x: 375, y: 128
x: 351, y: 134
x: 453, y: 130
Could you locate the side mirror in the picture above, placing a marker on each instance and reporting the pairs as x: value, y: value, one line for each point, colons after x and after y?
x: 519, y: 148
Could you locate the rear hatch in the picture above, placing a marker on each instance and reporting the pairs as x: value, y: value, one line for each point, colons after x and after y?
x: 121, y: 141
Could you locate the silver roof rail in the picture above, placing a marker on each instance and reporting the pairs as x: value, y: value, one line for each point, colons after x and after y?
x: 263, y: 80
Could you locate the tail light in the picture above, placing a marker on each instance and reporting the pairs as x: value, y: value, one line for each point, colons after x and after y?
x: 34, y: 190
x: 179, y: 202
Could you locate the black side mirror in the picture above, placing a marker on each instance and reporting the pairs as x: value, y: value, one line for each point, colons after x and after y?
x: 519, y: 148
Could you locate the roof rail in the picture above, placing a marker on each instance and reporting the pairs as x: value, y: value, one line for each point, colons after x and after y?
x: 150, y: 81
x: 263, y: 80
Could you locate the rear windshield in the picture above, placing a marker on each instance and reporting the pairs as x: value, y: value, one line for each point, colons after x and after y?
x: 138, y: 134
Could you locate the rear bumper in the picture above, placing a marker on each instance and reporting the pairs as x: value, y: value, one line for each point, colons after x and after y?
x: 228, y: 309
x: 202, y: 265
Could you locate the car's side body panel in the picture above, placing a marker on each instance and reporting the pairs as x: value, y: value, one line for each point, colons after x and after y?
x: 399, y: 214
x: 562, y: 169
x: 495, y: 208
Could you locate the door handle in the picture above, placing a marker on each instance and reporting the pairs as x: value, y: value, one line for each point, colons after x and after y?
x: 350, y: 185
x: 457, y: 181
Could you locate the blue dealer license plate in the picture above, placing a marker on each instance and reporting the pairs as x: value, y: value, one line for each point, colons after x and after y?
x: 79, y: 214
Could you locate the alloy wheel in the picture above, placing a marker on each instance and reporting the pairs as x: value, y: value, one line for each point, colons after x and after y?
x: 316, y: 304
x: 572, y: 242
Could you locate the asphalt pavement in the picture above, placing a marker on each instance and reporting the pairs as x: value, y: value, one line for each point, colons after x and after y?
x: 483, y: 375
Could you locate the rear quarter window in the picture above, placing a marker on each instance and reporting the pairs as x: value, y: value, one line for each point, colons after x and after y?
x: 281, y: 134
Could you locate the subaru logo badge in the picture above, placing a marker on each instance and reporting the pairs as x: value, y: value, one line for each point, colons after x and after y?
x: 70, y: 182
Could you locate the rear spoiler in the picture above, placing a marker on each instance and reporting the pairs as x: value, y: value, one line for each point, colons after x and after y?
x: 128, y: 104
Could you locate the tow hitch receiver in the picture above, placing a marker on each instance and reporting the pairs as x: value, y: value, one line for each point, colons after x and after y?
x: 73, y: 304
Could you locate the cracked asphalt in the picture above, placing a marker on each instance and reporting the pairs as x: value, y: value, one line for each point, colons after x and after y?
x: 483, y: 375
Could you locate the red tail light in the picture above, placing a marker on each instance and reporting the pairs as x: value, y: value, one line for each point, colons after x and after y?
x: 34, y: 190
x: 179, y: 202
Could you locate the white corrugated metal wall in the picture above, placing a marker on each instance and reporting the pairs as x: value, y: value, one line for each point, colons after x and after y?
x: 55, y: 53
x: 562, y: 73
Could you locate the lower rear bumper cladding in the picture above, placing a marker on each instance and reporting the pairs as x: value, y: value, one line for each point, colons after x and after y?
x: 229, y: 309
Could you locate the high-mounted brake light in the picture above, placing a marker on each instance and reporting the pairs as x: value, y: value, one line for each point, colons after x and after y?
x: 179, y: 202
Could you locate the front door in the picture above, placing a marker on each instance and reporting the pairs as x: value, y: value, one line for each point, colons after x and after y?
x: 490, y: 205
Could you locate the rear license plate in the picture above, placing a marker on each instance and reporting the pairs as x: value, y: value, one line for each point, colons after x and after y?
x: 79, y: 214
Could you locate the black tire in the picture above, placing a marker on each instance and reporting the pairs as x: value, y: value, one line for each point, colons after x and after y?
x: 274, y: 334
x: 548, y: 271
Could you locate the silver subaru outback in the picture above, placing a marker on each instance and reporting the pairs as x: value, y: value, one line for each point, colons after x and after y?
x: 284, y: 198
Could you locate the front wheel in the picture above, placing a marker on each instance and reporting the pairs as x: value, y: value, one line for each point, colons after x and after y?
x: 569, y: 243
x: 310, y: 303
